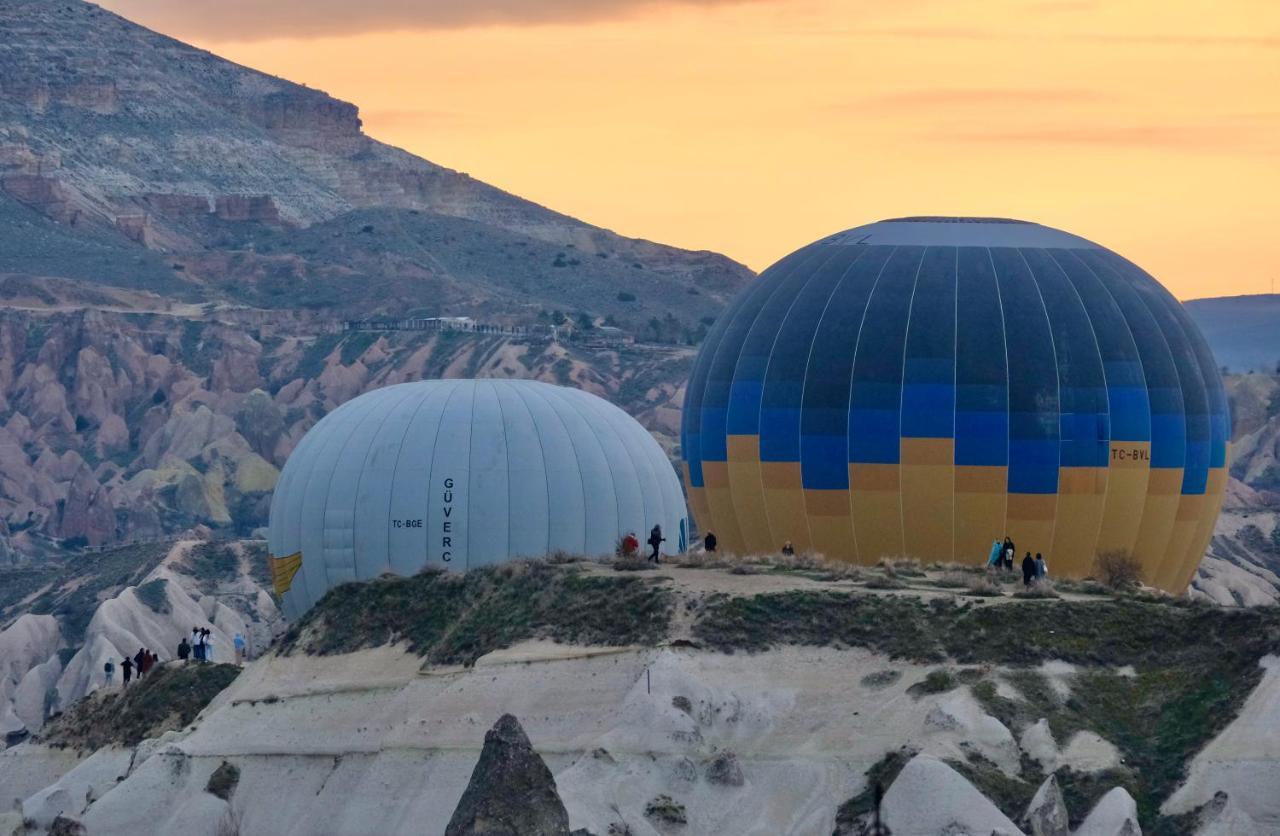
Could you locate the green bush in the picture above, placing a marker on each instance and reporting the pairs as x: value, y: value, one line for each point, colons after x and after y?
x: 155, y: 595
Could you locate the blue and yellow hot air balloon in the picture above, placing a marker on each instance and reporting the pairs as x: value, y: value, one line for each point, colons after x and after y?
x: 923, y: 386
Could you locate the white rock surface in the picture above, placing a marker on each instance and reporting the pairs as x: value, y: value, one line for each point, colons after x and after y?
x: 959, y: 719
x: 1115, y: 814
x: 1047, y: 813
x: 930, y: 798
x: 72, y: 793
x: 1088, y: 752
x: 27, y: 768
x: 1037, y: 741
x: 1223, y: 817
x: 1242, y: 760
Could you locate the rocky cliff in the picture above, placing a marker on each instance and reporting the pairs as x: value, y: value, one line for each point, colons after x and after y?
x: 178, y: 173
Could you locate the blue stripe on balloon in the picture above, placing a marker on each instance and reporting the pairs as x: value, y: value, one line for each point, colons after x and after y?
x: 1168, y: 440
x: 744, y: 406
x: 1195, y: 477
x: 778, y: 440
x: 928, y: 410
x: 873, y: 436
x: 982, y: 439
x: 823, y: 465
x: 715, y: 445
x: 1033, y: 466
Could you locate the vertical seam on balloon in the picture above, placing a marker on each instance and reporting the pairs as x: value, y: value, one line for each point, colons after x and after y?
x: 355, y: 498
x: 955, y: 391
x: 1057, y: 377
x: 360, y: 478
x: 804, y: 385
x: 1008, y: 392
x: 1169, y: 352
x: 853, y: 368
x: 1133, y: 341
x: 567, y: 400
x: 764, y: 376
x: 430, y: 391
x: 328, y: 488
x: 542, y: 452
x: 506, y: 452
x: 573, y: 443
x: 1106, y: 488
x: 766, y: 294
x: 599, y: 412
x: 902, y: 389
x: 471, y: 422
x: 454, y: 387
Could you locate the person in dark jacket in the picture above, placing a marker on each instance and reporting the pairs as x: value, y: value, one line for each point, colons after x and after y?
x: 655, y: 540
x: 1009, y: 552
x: 139, y: 662
x: 126, y: 670
x: 184, y: 650
x: 109, y: 670
x: 709, y: 542
x: 1028, y: 569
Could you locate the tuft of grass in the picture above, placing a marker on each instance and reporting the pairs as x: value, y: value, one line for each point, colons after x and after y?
x: 1043, y: 589
x: 885, y: 582
x: 935, y: 682
x: 452, y: 618
x: 881, y: 679
x: 224, y: 780
x: 155, y: 595
x: 666, y: 810
x: 981, y: 586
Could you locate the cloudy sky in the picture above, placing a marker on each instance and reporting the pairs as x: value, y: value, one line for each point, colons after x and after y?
x: 754, y: 126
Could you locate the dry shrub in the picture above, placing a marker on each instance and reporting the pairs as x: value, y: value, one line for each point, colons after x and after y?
x: 1118, y: 570
x: 952, y: 580
x: 632, y: 564
x: 981, y: 586
x: 1043, y: 588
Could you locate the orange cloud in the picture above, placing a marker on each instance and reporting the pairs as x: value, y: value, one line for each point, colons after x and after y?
x: 252, y: 20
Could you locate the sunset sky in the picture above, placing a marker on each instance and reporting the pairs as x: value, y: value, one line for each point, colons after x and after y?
x: 752, y: 127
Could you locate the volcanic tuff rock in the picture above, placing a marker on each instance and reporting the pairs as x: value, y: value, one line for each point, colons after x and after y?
x: 511, y: 793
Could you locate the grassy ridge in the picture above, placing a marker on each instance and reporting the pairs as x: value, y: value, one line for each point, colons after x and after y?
x: 453, y: 618
x: 168, y: 698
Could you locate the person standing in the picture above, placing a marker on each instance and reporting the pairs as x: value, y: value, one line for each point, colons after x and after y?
x: 206, y: 641
x: 996, y: 557
x: 238, y: 642
x: 709, y: 542
x: 109, y: 670
x: 138, y: 661
x: 655, y: 541
x: 1009, y: 552
x: 195, y: 644
x: 1042, y: 568
x: 788, y: 550
x: 1028, y: 570
x: 630, y: 545
x: 184, y: 650
x: 126, y: 671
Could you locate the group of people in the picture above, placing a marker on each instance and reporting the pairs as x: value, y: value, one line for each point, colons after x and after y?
x: 199, y: 648
x: 630, y: 545
x: 1034, y: 569
x: 142, y: 663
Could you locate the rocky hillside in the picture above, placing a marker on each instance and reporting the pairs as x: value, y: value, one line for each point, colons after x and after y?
x: 61, y: 620
x: 118, y: 427
x: 180, y: 173
x: 1243, y: 564
x: 764, y: 698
